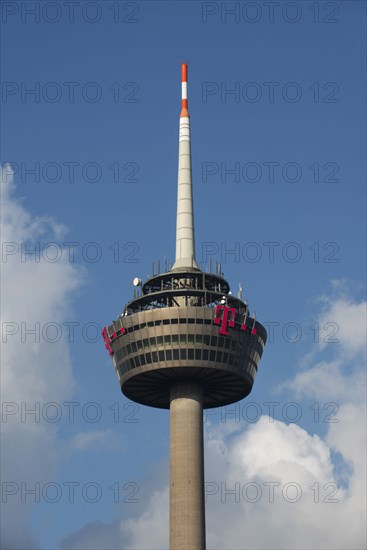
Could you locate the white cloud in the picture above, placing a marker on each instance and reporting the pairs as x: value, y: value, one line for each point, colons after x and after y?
x: 329, y: 381
x: 240, y: 465
x: 280, y: 446
x: 150, y: 526
x: 95, y: 439
x: 273, y: 452
x: 350, y: 325
x: 32, y: 372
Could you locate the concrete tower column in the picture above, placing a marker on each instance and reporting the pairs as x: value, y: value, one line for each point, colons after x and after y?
x: 187, y: 508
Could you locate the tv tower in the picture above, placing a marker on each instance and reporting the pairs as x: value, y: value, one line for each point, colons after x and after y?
x: 185, y: 343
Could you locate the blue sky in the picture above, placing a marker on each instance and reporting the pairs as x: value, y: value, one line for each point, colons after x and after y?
x: 282, y: 91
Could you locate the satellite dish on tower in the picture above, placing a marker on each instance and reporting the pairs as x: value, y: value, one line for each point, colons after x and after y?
x: 137, y: 281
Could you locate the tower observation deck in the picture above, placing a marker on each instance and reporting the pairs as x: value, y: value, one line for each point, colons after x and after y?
x: 185, y: 343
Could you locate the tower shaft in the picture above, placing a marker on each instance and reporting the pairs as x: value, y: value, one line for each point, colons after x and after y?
x: 187, y: 508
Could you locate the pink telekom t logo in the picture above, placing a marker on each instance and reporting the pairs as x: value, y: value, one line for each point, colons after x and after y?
x: 224, y: 319
x: 108, y: 340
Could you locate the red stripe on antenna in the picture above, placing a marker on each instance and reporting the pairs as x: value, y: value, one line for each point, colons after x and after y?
x: 184, y: 103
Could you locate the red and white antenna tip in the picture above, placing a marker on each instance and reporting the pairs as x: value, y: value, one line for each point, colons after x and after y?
x: 184, y: 109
